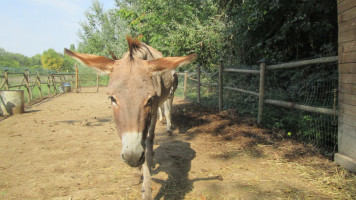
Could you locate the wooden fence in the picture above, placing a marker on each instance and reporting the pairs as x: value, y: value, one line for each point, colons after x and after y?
x: 30, y: 81
x: 51, y: 81
x: 83, y: 80
x: 262, y: 78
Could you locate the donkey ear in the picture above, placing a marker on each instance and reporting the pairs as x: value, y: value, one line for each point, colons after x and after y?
x: 161, y: 64
x: 100, y: 62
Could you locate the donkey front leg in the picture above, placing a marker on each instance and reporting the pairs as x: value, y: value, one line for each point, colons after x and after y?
x: 137, y: 175
x: 146, y: 167
x: 146, y: 185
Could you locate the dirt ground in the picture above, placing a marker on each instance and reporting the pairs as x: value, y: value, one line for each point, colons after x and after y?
x: 67, y: 147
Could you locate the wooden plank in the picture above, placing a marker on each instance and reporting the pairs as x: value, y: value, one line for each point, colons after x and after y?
x: 348, y: 68
x: 242, y: 91
x: 347, y: 36
x: 345, y: 47
x: 292, y: 105
x: 347, y: 15
x: 349, y: 100
x: 347, y: 145
x: 348, y: 131
x: 347, y: 26
x: 347, y: 109
x: 303, y: 63
x: 349, y: 57
x: 347, y: 119
x: 347, y: 78
x: 345, y: 5
x: 245, y: 71
x: 347, y: 88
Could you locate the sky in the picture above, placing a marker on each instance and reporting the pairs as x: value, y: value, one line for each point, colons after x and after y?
x: 30, y: 27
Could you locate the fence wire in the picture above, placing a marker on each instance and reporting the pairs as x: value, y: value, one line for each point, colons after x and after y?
x: 313, y: 85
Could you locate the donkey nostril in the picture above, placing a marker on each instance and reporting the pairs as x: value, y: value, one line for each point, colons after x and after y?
x: 122, y: 157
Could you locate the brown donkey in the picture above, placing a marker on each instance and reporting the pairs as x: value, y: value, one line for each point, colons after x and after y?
x: 139, y: 83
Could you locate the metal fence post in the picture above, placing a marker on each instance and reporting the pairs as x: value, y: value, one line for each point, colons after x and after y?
x: 221, y: 69
x: 198, y: 82
x: 185, y: 84
x: 262, y: 63
x: 76, y: 78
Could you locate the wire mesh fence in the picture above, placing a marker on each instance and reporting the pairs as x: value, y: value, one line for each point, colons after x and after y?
x: 312, y: 85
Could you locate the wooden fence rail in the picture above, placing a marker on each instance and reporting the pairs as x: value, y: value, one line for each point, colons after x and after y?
x: 262, y: 77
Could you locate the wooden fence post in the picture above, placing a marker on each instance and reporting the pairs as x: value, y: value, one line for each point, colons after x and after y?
x: 27, y: 83
x: 221, y: 69
x: 6, y: 81
x: 261, y: 90
x: 76, y: 78
x: 38, y: 80
x: 54, y: 84
x: 185, y: 84
x: 198, y: 82
x: 48, y: 83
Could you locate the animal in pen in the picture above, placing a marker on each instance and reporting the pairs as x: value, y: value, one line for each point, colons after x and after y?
x: 140, y: 82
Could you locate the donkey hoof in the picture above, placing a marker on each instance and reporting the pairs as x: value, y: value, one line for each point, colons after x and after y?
x: 170, y: 132
x: 137, y: 179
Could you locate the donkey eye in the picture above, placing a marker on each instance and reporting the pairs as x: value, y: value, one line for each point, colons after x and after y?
x: 113, y: 100
x: 149, y: 102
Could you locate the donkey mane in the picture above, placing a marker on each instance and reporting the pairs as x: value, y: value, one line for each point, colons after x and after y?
x: 141, y: 50
x: 134, y: 45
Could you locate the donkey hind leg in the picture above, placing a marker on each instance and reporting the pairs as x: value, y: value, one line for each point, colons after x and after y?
x: 168, y: 113
x: 160, y: 114
x: 137, y: 176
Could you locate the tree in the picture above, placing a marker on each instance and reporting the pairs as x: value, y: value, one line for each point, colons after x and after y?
x: 52, y: 60
x: 68, y: 64
x: 177, y: 27
x: 102, y: 32
x: 281, y: 30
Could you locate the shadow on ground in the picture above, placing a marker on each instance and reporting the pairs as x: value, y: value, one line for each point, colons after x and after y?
x: 174, y: 158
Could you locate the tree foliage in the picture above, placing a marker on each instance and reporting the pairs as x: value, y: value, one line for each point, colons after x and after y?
x: 281, y: 30
x: 177, y: 27
x: 52, y: 60
x: 102, y: 32
x: 17, y: 60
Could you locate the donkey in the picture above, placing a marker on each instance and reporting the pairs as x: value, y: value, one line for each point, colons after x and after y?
x: 139, y: 84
